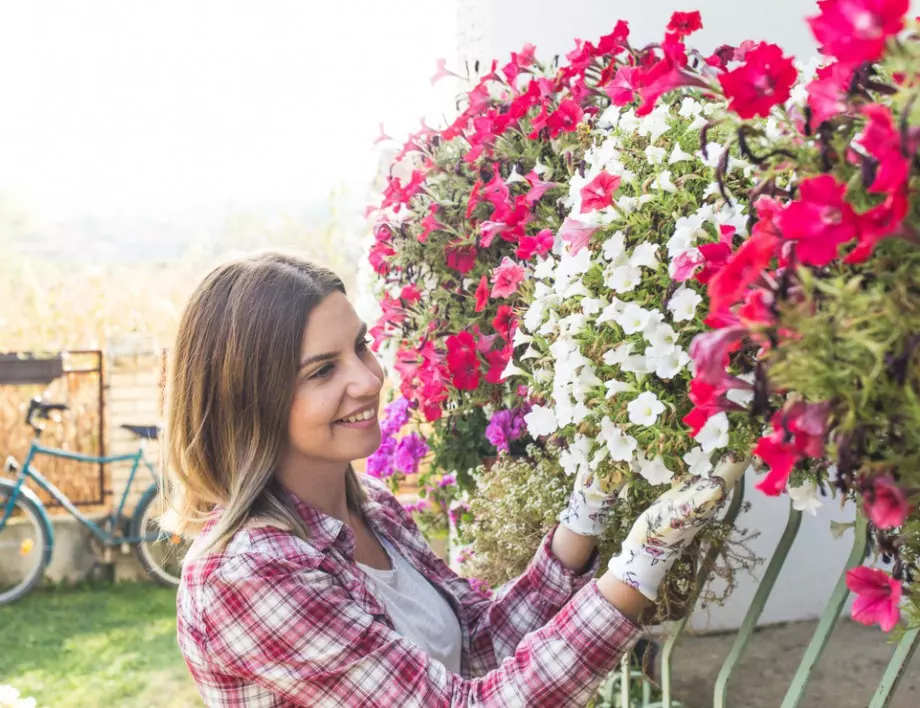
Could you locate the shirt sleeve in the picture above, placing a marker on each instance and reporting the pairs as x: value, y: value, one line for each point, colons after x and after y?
x: 498, y: 622
x: 301, y: 636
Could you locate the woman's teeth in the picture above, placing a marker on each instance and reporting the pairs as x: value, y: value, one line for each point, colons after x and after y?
x: 366, y: 415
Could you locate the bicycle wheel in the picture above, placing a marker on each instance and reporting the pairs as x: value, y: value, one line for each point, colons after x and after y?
x: 24, y: 547
x: 159, y: 552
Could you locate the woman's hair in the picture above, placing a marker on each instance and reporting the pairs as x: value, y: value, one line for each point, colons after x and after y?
x: 230, y: 391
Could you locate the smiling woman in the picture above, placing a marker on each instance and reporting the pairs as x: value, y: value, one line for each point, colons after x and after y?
x: 309, y: 585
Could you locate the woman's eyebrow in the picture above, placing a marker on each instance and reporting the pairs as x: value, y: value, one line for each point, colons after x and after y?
x: 362, y: 333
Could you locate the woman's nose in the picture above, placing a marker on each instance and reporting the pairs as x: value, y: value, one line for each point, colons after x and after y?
x: 367, y: 379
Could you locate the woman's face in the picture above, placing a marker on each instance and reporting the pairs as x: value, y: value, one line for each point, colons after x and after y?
x: 334, y: 415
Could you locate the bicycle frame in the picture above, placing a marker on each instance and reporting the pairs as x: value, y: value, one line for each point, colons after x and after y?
x: 26, y: 471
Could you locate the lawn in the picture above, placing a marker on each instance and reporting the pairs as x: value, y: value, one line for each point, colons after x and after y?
x: 103, y: 645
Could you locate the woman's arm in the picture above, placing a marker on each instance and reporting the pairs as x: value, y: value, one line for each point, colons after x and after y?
x: 301, y: 635
x: 496, y: 624
x: 573, y: 550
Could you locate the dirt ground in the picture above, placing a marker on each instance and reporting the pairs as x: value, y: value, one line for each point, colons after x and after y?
x: 846, y: 676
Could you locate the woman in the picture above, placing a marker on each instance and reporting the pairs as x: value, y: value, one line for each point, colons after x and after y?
x: 307, y: 585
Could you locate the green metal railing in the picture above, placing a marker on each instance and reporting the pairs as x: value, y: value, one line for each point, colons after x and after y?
x: 634, y: 687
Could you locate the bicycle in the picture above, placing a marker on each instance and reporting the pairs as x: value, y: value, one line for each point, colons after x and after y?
x: 26, y: 533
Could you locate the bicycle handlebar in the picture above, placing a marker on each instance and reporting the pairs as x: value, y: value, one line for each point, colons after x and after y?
x: 42, y: 409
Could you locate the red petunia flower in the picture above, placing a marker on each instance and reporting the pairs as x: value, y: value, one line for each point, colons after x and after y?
x: 855, y: 31
x: 763, y: 81
x: 598, y: 193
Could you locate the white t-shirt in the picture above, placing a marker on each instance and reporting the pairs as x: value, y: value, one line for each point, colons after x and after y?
x: 419, y: 612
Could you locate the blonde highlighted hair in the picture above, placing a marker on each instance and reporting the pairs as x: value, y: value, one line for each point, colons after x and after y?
x: 231, y: 386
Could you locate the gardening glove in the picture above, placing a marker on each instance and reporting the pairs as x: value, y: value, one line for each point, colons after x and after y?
x: 667, y: 527
x: 589, y: 506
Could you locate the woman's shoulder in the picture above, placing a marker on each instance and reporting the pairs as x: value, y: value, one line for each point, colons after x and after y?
x: 261, y: 547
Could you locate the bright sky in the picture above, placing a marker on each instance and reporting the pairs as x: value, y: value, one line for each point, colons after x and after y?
x: 139, y: 107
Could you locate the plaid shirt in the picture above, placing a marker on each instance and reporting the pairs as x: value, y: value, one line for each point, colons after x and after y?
x: 277, y: 621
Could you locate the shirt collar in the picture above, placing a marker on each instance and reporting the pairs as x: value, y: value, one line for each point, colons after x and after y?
x: 324, y: 530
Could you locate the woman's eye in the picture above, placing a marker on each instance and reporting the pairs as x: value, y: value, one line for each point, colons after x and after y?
x: 365, y: 344
x: 323, y: 371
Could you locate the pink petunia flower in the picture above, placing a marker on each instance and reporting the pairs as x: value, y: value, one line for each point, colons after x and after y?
x: 878, y: 596
x: 885, y: 503
x: 506, y: 278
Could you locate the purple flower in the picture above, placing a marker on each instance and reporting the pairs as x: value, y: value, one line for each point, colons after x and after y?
x: 409, y: 452
x: 416, y: 507
x: 480, y: 586
x: 506, y: 426
x: 395, y: 416
x: 380, y: 464
x: 448, y: 480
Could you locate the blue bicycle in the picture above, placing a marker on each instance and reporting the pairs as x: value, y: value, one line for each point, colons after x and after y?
x: 26, y: 534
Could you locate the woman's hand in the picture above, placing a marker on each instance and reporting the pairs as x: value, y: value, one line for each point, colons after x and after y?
x: 582, y: 521
x: 666, y: 528
x: 589, y: 506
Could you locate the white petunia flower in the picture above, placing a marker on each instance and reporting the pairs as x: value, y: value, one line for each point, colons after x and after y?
x: 667, y: 366
x: 624, y: 278
x: 663, y: 338
x: 616, y: 356
x: 698, y: 461
x: 635, y: 364
x: 655, y: 124
x: 805, y: 498
x: 713, y: 155
x: 515, y: 176
x: 645, y: 409
x: 627, y: 205
x: 714, y: 435
x: 664, y: 183
x: 544, y: 269
x: 520, y: 338
x: 591, y: 305
x: 575, y: 457
x: 644, y: 255
x: 655, y: 155
x: 612, y: 311
x: 512, y: 370
x: 530, y: 353
x: 678, y: 155
x: 683, y: 304
x: 614, y: 387
x: 742, y: 396
x: 614, y: 248
x: 656, y: 471
x: 690, y: 107
x: 628, y: 122
x: 633, y: 318
x: 621, y: 446
x: 541, y: 420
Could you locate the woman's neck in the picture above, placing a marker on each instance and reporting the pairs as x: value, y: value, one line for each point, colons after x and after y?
x: 320, y: 489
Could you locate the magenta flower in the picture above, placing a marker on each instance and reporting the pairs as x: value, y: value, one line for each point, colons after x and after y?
x: 409, y: 452
x: 885, y: 503
x: 820, y: 221
x: 878, y: 596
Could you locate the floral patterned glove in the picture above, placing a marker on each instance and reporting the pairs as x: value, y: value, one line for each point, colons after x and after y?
x: 664, y: 530
x: 589, y: 506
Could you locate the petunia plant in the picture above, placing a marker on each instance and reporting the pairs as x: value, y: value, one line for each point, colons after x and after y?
x: 822, y: 294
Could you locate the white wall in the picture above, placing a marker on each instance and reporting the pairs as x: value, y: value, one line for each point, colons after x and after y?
x: 812, y: 568
x: 553, y: 26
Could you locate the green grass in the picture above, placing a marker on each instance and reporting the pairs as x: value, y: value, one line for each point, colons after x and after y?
x: 103, y: 645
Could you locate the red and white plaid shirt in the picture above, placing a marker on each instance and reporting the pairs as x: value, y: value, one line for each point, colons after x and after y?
x: 277, y: 621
